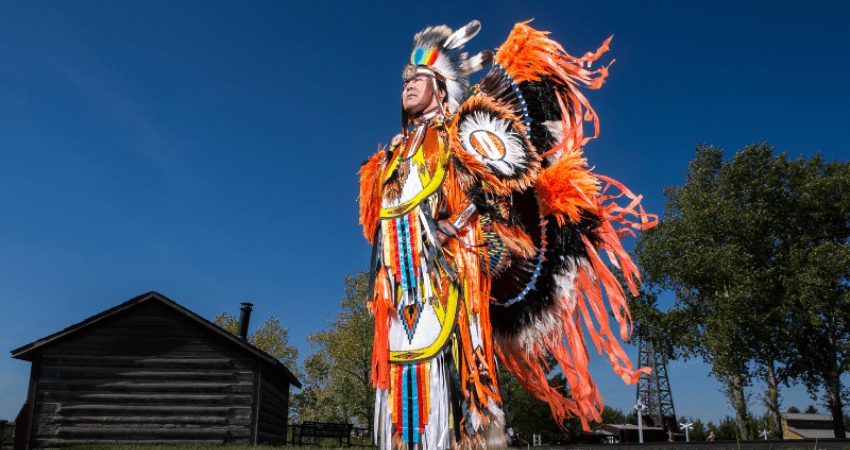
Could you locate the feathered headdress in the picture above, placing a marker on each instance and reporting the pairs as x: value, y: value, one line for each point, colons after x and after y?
x: 437, y: 53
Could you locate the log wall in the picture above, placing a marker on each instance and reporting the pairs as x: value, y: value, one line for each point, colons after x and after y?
x: 274, y: 410
x: 151, y: 377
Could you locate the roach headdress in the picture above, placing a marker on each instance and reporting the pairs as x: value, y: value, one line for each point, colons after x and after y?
x: 437, y: 54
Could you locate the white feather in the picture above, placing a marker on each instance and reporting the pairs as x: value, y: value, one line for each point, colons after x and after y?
x: 494, y: 434
x: 463, y: 35
x: 515, y: 157
x: 478, y: 61
x: 556, y: 127
x: 549, y: 321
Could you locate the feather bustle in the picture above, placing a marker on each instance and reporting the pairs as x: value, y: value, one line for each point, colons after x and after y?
x: 524, y: 171
x: 594, y: 282
x: 567, y: 188
x: 528, y: 55
x: 516, y: 240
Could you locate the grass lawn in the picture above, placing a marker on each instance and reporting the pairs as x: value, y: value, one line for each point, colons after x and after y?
x: 212, y: 447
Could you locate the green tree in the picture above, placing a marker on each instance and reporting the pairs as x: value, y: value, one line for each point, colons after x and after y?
x: 339, y: 373
x: 273, y: 339
x: 756, y: 250
x: 816, y: 244
x: 728, y: 429
x: 610, y: 416
x: 700, y: 432
x: 530, y: 415
x: 765, y: 422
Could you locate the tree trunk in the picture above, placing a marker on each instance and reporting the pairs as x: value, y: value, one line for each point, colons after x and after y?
x: 771, y: 400
x: 736, y: 394
x: 836, y: 406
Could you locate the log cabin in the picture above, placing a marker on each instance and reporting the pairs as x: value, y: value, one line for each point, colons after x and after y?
x: 150, y: 371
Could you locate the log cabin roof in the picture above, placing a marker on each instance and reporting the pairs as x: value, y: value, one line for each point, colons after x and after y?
x: 30, y: 351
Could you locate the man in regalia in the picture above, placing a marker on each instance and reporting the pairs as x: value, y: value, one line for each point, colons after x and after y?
x: 485, y: 224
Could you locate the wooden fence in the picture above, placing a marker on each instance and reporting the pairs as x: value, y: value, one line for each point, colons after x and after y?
x: 7, y: 435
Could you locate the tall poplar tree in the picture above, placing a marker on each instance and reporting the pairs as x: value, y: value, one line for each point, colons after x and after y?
x: 339, y: 374
x: 755, y: 249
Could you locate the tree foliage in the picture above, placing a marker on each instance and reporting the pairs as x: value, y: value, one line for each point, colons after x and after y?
x: 338, y: 374
x: 756, y: 250
x: 273, y: 339
x: 270, y: 337
x: 530, y: 415
x: 699, y: 432
x: 726, y: 430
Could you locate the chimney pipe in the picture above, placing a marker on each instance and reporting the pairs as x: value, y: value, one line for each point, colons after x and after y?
x: 244, y: 318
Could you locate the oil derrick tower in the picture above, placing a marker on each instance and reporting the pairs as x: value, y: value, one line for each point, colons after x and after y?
x: 654, y: 388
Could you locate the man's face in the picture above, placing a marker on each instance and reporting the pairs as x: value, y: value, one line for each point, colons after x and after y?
x: 418, y: 97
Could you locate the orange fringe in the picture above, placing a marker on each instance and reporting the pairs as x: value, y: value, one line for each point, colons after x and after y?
x: 453, y: 191
x: 595, y: 282
x: 528, y: 54
x: 613, y: 213
x: 567, y: 188
x: 370, y: 194
x: 475, y: 284
x: 380, y: 306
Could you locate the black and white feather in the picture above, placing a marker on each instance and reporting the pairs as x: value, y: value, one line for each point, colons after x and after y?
x: 498, y: 85
x: 490, y: 133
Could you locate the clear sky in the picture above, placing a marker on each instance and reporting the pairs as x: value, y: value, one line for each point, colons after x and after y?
x: 209, y: 150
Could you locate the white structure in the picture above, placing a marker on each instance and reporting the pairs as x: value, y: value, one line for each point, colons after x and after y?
x: 686, y: 427
x: 639, y: 408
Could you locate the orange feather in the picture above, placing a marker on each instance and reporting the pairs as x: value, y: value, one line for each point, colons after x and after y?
x: 370, y: 196
x: 567, y: 188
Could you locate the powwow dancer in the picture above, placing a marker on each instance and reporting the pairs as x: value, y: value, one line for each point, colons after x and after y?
x: 486, y: 226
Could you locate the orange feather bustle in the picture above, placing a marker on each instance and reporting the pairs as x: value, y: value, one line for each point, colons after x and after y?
x: 370, y: 192
x: 528, y: 55
x: 567, y: 188
x: 516, y: 240
x: 594, y: 283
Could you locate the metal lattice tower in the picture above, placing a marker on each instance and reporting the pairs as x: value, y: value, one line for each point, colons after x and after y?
x: 654, y: 389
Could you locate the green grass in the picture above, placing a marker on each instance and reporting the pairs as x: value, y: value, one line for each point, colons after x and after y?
x: 212, y: 447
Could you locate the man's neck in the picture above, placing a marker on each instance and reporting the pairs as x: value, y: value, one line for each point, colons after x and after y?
x: 426, y: 115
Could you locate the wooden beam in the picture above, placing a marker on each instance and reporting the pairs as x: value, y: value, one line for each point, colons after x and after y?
x: 257, y: 397
x: 34, y: 376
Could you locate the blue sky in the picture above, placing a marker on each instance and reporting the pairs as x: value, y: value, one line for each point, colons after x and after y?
x: 209, y: 150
